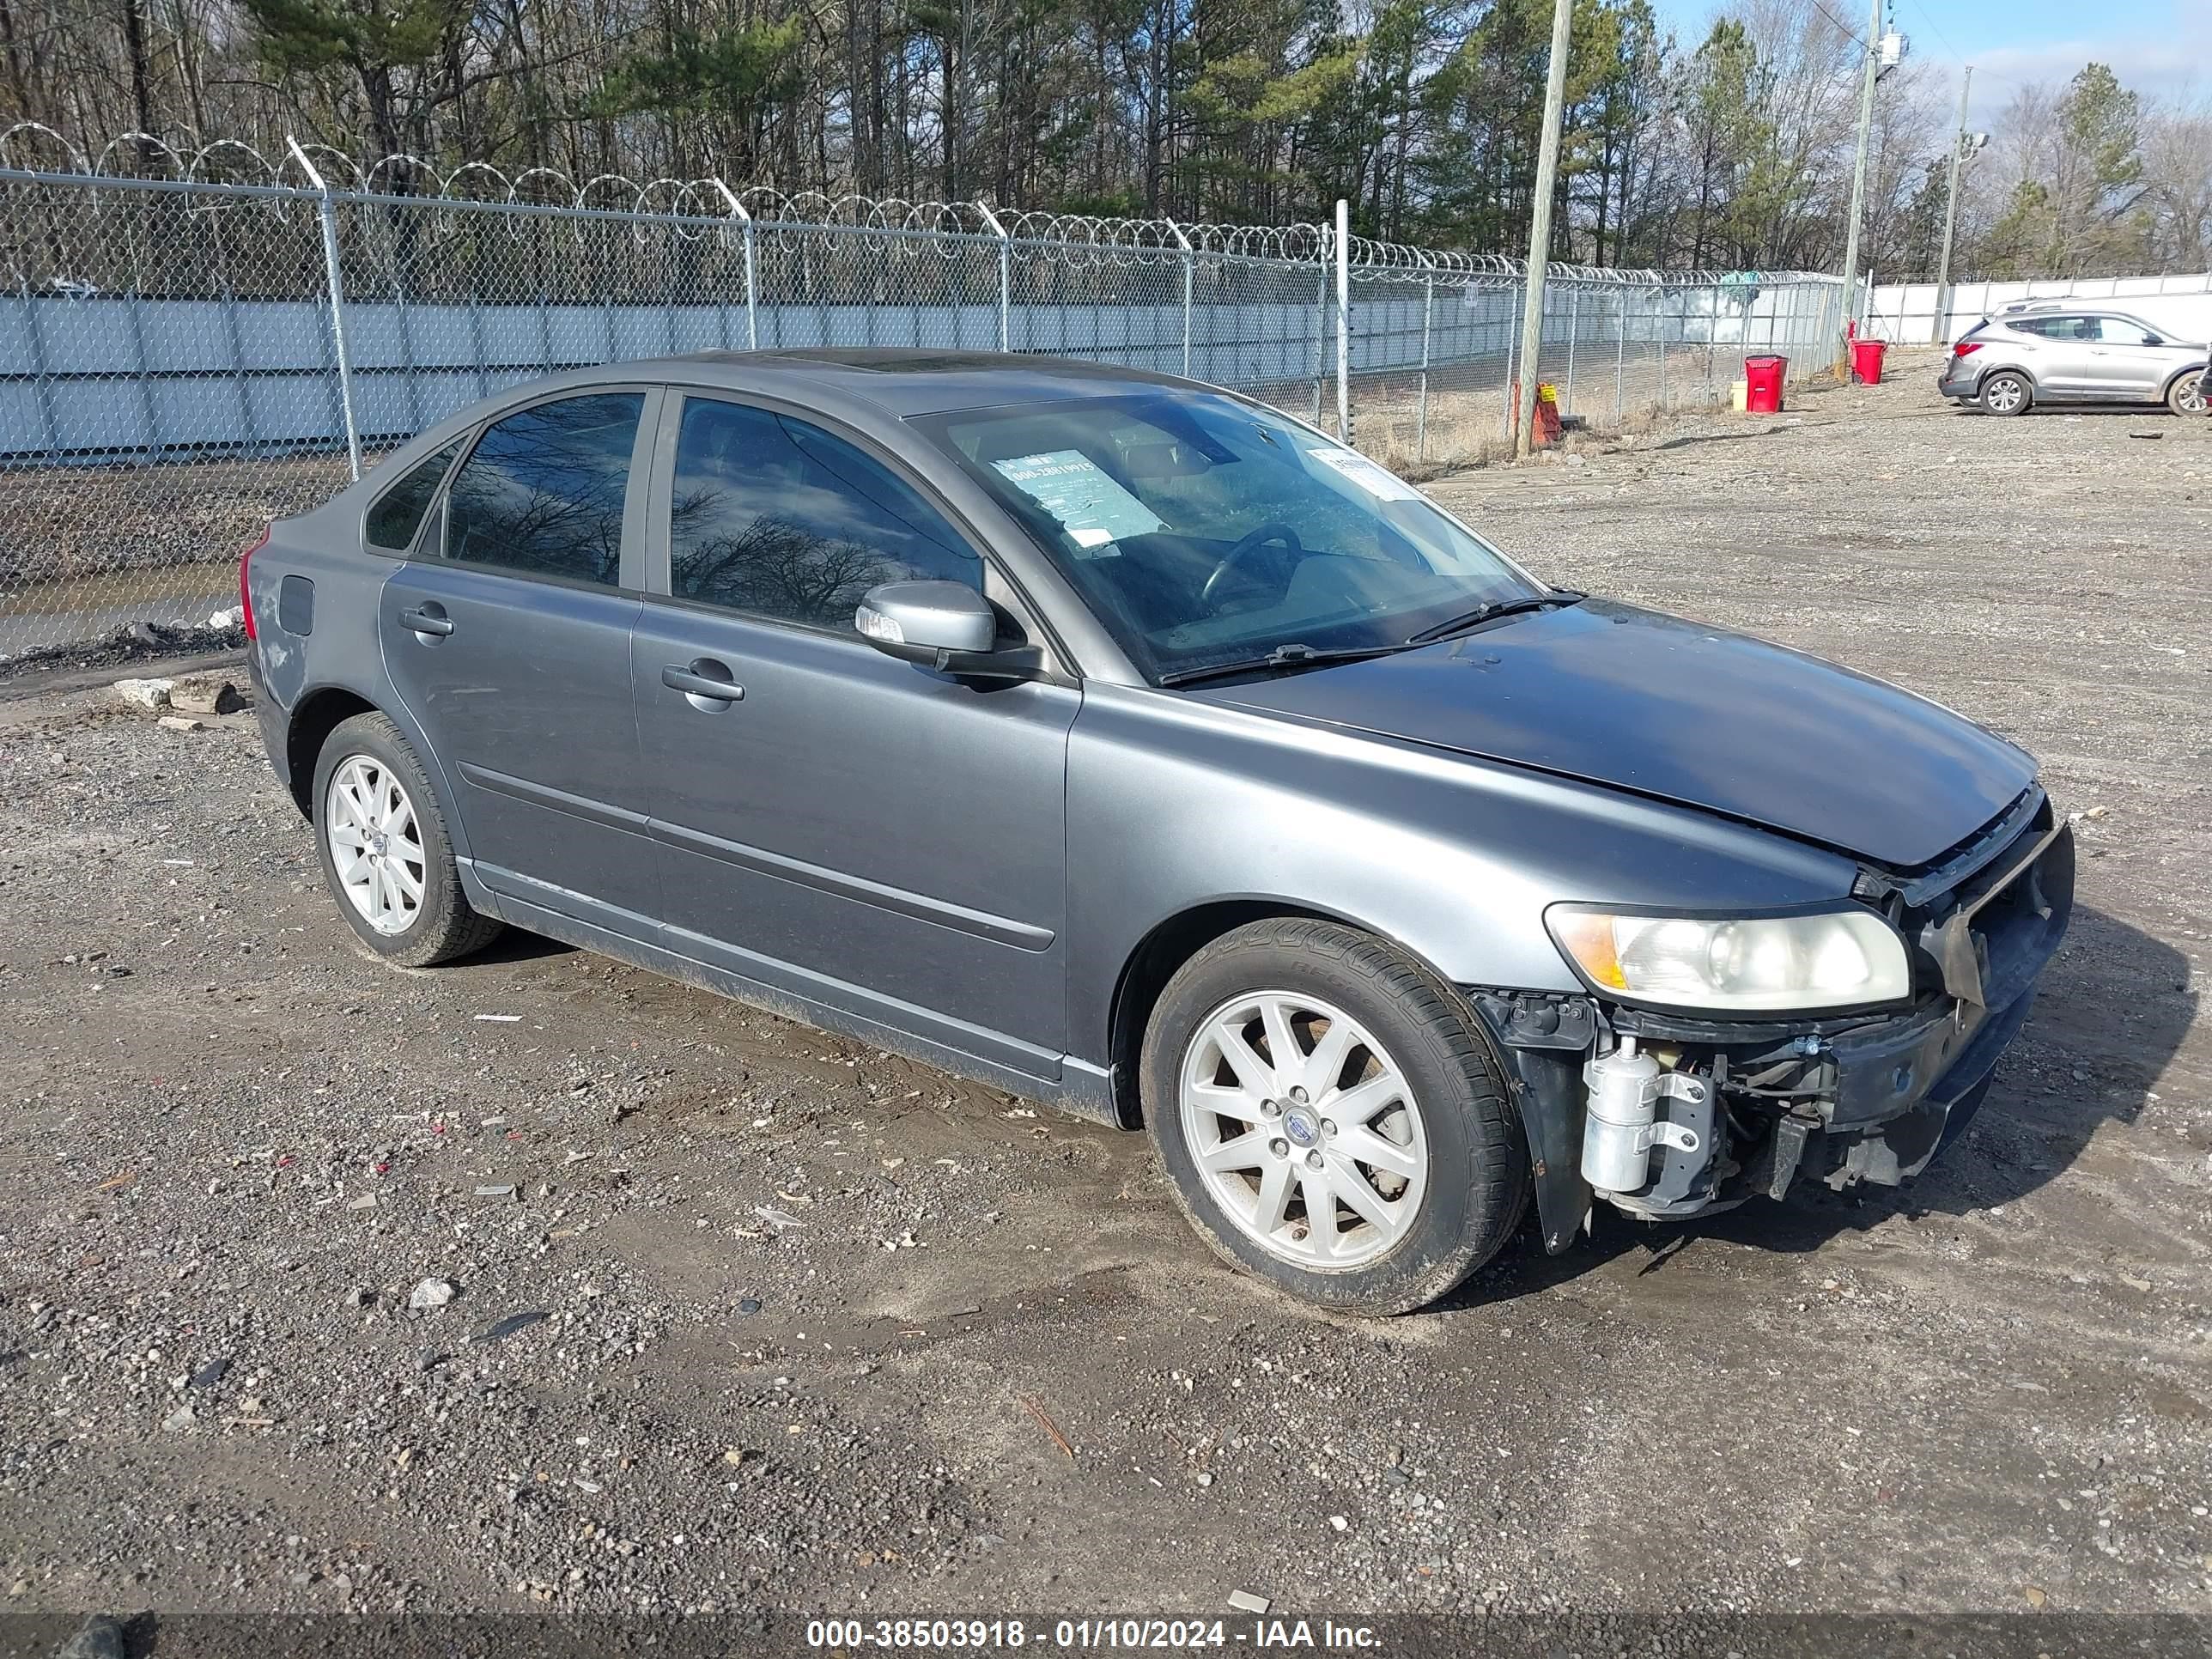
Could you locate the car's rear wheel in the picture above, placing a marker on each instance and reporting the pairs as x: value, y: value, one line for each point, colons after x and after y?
x: 1331, y: 1117
x: 2007, y: 394
x: 380, y: 834
x: 2186, y: 395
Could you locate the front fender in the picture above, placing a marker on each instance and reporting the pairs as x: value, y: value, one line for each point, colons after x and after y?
x: 1174, y: 804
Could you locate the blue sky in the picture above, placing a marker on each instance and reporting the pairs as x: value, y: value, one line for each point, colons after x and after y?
x: 2155, y: 46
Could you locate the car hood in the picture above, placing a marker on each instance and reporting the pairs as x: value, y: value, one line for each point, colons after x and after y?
x: 1681, y: 712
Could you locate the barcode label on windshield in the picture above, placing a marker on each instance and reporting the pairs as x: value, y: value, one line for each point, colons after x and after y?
x: 1379, y: 481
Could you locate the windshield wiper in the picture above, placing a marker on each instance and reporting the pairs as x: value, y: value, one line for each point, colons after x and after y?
x: 1495, y: 609
x: 1283, y: 656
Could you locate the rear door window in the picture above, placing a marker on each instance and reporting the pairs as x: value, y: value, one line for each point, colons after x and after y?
x: 542, y: 492
x: 777, y: 519
x: 398, y: 513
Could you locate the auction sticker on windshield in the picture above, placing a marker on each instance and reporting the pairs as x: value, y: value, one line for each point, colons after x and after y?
x: 1353, y: 467
x: 1094, y: 510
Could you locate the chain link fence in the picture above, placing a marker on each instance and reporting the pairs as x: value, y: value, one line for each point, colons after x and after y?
x: 1433, y: 366
x: 183, y: 361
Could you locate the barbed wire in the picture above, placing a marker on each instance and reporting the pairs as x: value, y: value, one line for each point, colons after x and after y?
x: 1093, y: 238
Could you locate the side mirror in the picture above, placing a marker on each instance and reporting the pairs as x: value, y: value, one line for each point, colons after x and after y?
x: 946, y: 626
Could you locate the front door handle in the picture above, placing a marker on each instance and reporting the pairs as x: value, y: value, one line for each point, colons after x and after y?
x: 706, y: 684
x: 427, y: 619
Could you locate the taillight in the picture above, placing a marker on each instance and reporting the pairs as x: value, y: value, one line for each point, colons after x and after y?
x: 245, y: 591
x: 1965, y: 348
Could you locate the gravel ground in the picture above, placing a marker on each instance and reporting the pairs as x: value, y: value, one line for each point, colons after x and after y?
x: 741, y: 1315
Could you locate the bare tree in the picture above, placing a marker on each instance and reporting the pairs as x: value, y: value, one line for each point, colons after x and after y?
x: 2177, y: 174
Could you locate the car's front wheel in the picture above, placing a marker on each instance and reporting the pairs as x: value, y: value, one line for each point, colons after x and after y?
x: 2006, y: 394
x: 381, y: 835
x: 1331, y: 1118
x: 2186, y: 395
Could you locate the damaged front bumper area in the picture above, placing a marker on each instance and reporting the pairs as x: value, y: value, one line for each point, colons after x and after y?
x: 1661, y: 1115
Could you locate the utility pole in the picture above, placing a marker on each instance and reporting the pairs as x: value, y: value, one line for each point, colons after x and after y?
x: 1858, y: 184
x: 1540, y: 227
x: 1937, y: 328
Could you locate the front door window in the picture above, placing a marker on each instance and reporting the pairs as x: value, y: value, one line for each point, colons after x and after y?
x: 775, y: 519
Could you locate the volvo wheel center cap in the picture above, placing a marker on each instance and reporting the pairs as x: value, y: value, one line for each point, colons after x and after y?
x: 1298, y: 1124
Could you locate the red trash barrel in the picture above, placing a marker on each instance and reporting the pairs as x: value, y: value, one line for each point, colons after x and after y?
x: 1762, y: 385
x: 1866, y: 360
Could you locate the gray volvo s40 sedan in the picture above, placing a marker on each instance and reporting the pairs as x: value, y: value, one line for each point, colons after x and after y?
x: 1130, y: 745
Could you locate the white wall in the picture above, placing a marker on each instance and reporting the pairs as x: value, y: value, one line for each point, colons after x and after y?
x: 1905, y: 312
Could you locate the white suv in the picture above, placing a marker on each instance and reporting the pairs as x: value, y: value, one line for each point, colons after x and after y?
x: 2049, y: 353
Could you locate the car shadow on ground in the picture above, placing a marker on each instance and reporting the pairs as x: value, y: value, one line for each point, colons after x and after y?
x: 2113, y: 1010
x: 1978, y: 412
x: 515, y: 944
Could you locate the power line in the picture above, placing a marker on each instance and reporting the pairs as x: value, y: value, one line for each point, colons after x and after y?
x: 1930, y: 16
x: 1849, y: 34
x: 1956, y: 56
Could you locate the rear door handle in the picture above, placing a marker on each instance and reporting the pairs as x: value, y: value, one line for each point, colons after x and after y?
x: 705, y: 683
x: 427, y: 619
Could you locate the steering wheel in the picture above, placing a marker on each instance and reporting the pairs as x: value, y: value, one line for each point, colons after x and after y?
x: 1249, y: 542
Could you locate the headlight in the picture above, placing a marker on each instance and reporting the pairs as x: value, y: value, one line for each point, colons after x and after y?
x: 1737, y: 964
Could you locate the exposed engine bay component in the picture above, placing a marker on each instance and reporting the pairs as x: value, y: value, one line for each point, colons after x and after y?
x: 1666, y: 1113
x: 1636, y: 1107
x: 1625, y: 1088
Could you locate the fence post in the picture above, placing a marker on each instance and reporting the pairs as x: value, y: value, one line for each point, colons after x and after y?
x: 1518, y: 293
x: 745, y: 221
x: 1343, y: 320
x: 1574, y: 327
x: 1006, y: 274
x: 334, y: 278
x: 1190, y: 266
x: 1321, y: 337
x: 1620, y: 345
x: 1712, y: 338
x: 1428, y: 317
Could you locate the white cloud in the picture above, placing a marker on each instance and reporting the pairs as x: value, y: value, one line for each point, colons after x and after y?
x: 2158, y: 61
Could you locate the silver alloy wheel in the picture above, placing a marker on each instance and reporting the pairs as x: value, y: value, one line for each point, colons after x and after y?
x: 1302, y: 1129
x: 2004, y: 394
x: 2191, y: 388
x: 375, y: 844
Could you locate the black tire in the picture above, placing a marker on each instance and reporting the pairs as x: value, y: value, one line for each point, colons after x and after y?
x: 1476, y: 1184
x: 2186, y: 395
x: 443, y: 926
x: 2006, y: 378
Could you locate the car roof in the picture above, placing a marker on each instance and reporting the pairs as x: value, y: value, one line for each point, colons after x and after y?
x: 901, y: 380
x: 864, y: 385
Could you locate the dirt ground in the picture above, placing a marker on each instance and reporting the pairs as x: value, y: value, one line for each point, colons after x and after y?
x: 827, y: 1331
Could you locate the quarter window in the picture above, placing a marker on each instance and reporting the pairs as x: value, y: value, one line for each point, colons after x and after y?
x: 775, y: 518
x: 543, y: 491
x: 398, y: 513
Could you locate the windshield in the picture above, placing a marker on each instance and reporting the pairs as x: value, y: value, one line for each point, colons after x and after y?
x: 1205, y: 531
